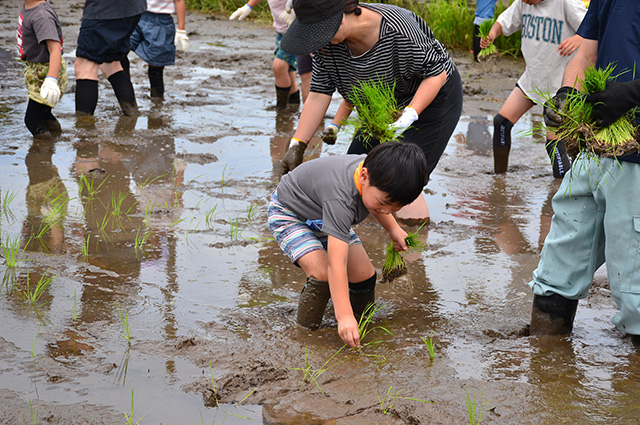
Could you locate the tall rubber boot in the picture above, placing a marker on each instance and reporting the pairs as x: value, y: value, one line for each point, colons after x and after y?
x: 501, y: 143
x: 282, y: 97
x: 86, y: 96
x: 294, y: 98
x: 156, y: 81
x: 313, y: 301
x: 560, y: 161
x: 636, y: 340
x: 476, y: 42
x: 552, y: 315
x: 362, y: 295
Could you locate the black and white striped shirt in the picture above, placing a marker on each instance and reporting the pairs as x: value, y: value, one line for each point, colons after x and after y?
x: 406, y: 53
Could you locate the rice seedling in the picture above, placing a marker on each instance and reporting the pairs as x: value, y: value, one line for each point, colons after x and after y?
x: 431, y: 346
x: 150, y: 179
x: 35, y: 416
x: 34, y: 345
x: 394, y: 263
x: 309, y: 374
x: 90, y: 185
x: 85, y: 248
x: 210, y: 215
x: 213, y: 385
x: 225, y: 176
x: 102, y: 225
x: 32, y: 294
x: 483, y: 32
x: 75, y: 306
x: 124, y: 321
x: 139, y: 242
x: 130, y: 416
x: 121, y: 373
x: 251, y: 211
x: 474, y: 411
x: 364, y: 325
x: 189, y: 231
x: 237, y: 227
x: 377, y: 108
x: 11, y: 251
x: 117, y: 206
x: 579, y: 131
x: 388, y: 401
x: 7, y: 199
x: 175, y: 222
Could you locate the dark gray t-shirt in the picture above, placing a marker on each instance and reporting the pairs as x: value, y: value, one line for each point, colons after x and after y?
x: 35, y: 27
x: 324, y: 189
x: 113, y: 9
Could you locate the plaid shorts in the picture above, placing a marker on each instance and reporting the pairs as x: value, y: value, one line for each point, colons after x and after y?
x: 294, y: 236
x: 292, y: 60
x: 34, y: 75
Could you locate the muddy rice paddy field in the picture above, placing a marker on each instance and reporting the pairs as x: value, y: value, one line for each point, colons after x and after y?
x: 168, y: 298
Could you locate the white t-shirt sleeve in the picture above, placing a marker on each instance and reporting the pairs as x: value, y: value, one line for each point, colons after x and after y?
x: 511, y: 19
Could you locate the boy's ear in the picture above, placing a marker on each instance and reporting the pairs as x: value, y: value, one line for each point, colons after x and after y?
x: 364, y: 175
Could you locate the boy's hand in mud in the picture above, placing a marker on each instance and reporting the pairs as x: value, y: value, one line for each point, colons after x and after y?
x: 552, y: 111
x: 348, y: 331
x: 569, y: 45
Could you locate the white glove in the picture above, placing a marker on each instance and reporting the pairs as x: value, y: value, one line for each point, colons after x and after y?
x: 408, y: 117
x: 241, y: 13
x: 181, y: 40
x: 288, y: 17
x: 50, y: 91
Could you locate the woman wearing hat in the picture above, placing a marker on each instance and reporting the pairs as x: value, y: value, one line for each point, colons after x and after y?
x: 355, y: 42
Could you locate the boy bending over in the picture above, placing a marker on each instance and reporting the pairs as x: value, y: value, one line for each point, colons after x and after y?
x: 311, y: 215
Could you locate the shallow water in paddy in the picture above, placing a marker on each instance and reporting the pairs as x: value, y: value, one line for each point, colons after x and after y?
x: 209, y: 293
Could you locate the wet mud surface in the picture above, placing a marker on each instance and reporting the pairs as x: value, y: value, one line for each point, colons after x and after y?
x: 169, y: 228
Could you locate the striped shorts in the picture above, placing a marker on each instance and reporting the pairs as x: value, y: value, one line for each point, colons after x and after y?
x: 294, y: 236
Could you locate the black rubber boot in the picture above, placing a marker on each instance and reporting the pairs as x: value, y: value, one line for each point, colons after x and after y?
x: 86, y: 96
x: 123, y: 89
x: 552, y: 315
x: 34, y: 119
x: 362, y: 295
x: 282, y: 97
x: 560, y: 161
x: 313, y: 301
x: 476, y: 42
x: 501, y: 143
x: 294, y: 98
x: 156, y: 80
x: 636, y: 340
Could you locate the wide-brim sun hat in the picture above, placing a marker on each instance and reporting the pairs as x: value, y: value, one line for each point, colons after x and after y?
x: 317, y: 21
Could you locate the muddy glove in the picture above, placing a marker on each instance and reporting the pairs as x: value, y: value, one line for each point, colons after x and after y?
x: 408, y: 117
x: 614, y: 102
x: 241, y: 13
x: 50, y: 91
x: 181, y: 40
x: 294, y: 155
x: 553, y: 109
x: 330, y: 134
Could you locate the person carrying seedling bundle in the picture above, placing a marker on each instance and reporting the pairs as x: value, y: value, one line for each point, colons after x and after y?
x: 596, y: 209
x: 354, y: 43
x: 284, y: 64
x: 311, y: 214
x: 39, y: 37
x: 548, y: 41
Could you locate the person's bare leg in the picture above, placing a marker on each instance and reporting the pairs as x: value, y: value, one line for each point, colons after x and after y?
x: 305, y: 83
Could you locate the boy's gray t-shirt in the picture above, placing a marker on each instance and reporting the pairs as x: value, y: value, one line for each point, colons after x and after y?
x: 36, y: 26
x: 324, y: 188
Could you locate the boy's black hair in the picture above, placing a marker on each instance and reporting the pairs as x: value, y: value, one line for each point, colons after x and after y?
x: 397, y: 169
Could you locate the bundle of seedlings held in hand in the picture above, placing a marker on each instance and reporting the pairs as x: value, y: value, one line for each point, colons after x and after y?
x: 377, y: 109
x: 579, y: 130
x: 394, y: 263
x: 483, y: 32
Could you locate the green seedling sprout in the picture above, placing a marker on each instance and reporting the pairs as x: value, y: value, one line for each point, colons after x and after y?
x: 139, y: 242
x: 309, y: 374
x: 431, y: 345
x: 175, y: 222
x: 11, y: 251
x: 85, y: 248
x: 377, y: 109
x: 124, y: 320
x: 32, y: 294
x: 475, y: 412
x: 251, y: 211
x: 389, y: 400
x: 90, y: 186
x: 210, y: 215
x: 483, y: 32
x: 130, y: 417
x: 394, y: 263
x: 75, y: 306
x: 7, y: 199
x: 225, y: 176
x: 213, y: 385
x: 34, y: 417
x: 237, y: 227
x: 34, y: 344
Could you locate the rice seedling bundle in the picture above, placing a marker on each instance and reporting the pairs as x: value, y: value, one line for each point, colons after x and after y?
x: 377, y: 108
x: 394, y: 263
x: 483, y: 32
x: 578, y: 128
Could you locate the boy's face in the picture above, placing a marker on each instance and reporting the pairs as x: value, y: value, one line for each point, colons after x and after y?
x: 375, y: 200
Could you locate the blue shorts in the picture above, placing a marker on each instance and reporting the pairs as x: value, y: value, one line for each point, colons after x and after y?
x: 294, y: 236
x: 292, y: 60
x: 105, y: 40
x: 153, y: 39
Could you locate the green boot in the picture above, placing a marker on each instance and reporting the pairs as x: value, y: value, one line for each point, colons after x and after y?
x: 552, y: 315
x: 313, y: 301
